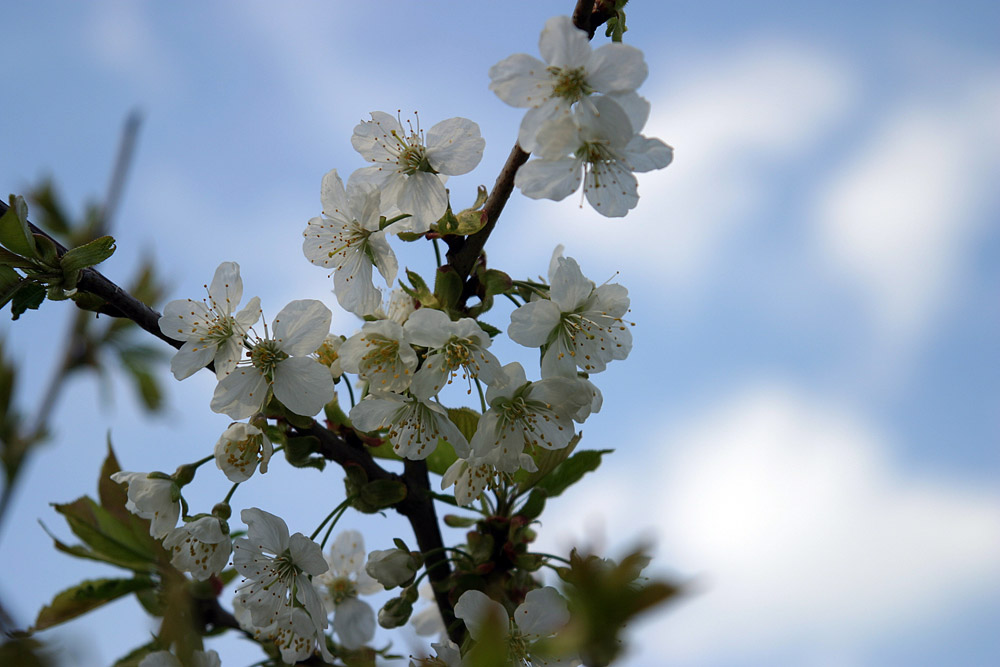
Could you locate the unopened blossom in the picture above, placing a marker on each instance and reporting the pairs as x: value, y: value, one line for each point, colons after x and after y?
x: 340, y: 586
x: 452, y: 347
x: 152, y: 496
x: 525, y: 415
x: 414, y: 425
x: 281, y: 363
x: 200, y: 547
x: 571, y: 72
x: 391, y: 567
x: 348, y: 240
x: 209, y: 329
x: 446, y: 654
x: 380, y: 354
x: 597, y: 145
x: 407, y: 164
x: 239, y: 450
x: 279, y: 571
x: 580, y: 325
x: 168, y: 659
x: 542, y: 614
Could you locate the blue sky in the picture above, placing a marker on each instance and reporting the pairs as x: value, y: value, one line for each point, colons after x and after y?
x: 807, y: 425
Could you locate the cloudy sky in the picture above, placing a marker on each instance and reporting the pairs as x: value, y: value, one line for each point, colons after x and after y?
x: 807, y: 426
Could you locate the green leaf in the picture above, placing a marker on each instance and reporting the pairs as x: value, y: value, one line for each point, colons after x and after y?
x: 9, y: 259
x: 571, y: 470
x: 27, y: 295
x: 536, y: 503
x: 382, y: 493
x: 136, y: 655
x: 419, y: 290
x: 546, y: 460
x: 441, y: 458
x: 112, y: 495
x: 455, y: 521
x: 107, y: 535
x: 89, y: 254
x: 490, y: 330
x: 447, y: 286
x: 495, y: 281
x: 466, y: 419
x: 15, y: 235
x: 86, y: 596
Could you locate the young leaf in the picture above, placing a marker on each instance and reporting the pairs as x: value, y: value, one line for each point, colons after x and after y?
x: 88, y: 254
x: 571, y: 470
x: 15, y: 235
x: 86, y: 596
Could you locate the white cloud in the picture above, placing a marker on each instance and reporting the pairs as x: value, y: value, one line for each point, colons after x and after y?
x: 802, y: 534
x: 732, y: 119
x: 897, y: 218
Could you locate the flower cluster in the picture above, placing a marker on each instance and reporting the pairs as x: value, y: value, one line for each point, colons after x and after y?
x: 584, y: 118
x: 416, y: 350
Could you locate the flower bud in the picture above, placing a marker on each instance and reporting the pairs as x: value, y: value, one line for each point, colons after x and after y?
x: 395, y: 612
x: 392, y: 567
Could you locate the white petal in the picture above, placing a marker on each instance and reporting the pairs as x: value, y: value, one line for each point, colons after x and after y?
x: 307, y: 555
x: 303, y: 385
x: 542, y: 613
x: 562, y: 44
x: 455, y: 146
x: 226, y: 289
x: 647, y: 153
x: 612, y: 190
x: 531, y: 324
x: 477, y: 609
x: 570, y: 288
x: 520, y: 80
x: 354, y: 623
x: 240, y: 394
x: 190, y: 359
x: 549, y: 179
x: 347, y: 554
x: 429, y: 328
x: 333, y: 196
x: 301, y: 326
x: 616, y: 68
x: 423, y: 196
x: 265, y: 531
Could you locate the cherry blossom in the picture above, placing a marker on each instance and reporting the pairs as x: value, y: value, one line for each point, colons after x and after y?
x: 152, y: 496
x: 571, y: 72
x: 348, y: 239
x: 340, y: 585
x: 282, y: 365
x: 201, y: 547
x: 407, y: 166
x: 210, y: 331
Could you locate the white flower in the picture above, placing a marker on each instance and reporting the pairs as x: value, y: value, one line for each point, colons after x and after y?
x: 209, y: 329
x: 281, y: 363
x: 398, y: 307
x: 428, y: 622
x: 526, y: 414
x: 578, y: 326
x: 541, y: 615
x: 414, y: 425
x: 380, y: 354
x: 278, y: 567
x: 452, y: 347
x: 201, y: 547
x: 406, y: 167
x: 353, y: 619
x: 446, y: 655
x: 168, y: 659
x: 154, y: 498
x: 348, y: 240
x: 599, y: 145
x: 570, y: 73
x: 239, y: 449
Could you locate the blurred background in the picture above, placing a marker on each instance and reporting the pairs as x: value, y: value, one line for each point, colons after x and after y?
x: 807, y: 427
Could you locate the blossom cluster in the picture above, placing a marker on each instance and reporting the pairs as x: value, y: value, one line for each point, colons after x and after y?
x: 583, y: 122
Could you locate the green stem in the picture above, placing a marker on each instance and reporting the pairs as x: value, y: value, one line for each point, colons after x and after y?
x: 229, y: 495
x: 350, y: 391
x: 437, y: 252
x: 513, y: 299
x: 339, y: 508
x: 482, y: 398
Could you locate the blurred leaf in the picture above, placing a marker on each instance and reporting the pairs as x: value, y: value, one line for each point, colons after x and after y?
x: 86, y: 596
x: 135, y: 656
x: 23, y: 651
x: 27, y: 295
x: 571, y: 470
x: 107, y: 535
x: 112, y: 495
x: 49, y: 212
x: 546, y: 460
x: 15, y: 235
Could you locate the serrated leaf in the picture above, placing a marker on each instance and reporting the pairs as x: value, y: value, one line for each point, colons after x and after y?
x: 89, y: 254
x: 15, y: 235
x: 112, y: 495
x: 490, y: 330
x: 447, y: 286
x: 106, y: 535
x: 10, y: 259
x: 546, y: 460
x: 571, y: 470
x: 86, y: 596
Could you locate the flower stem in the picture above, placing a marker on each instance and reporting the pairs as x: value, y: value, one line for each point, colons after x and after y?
x: 339, y: 508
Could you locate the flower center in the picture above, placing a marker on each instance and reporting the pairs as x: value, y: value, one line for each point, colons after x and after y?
x: 571, y: 84
x: 221, y: 328
x: 341, y: 588
x: 414, y: 158
x: 266, y: 355
x: 382, y: 354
